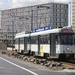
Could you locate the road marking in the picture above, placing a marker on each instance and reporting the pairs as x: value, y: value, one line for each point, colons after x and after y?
x: 18, y: 66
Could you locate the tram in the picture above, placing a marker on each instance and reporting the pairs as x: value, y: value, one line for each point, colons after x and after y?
x: 54, y: 43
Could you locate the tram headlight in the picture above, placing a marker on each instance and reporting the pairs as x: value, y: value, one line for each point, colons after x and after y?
x: 68, y: 48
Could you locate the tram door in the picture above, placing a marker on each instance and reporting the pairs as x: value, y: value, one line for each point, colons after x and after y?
x: 25, y: 44
x: 52, y: 45
x: 39, y: 45
x: 19, y: 45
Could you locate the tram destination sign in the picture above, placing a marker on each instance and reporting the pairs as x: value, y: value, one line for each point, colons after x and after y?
x: 67, y: 31
x: 41, y: 29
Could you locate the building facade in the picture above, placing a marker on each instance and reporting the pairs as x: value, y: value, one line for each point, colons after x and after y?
x: 73, y: 14
x: 31, y: 17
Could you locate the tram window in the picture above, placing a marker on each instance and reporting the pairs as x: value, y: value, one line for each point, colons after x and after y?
x: 34, y: 39
x: 56, y: 39
x: 21, y: 40
x: 16, y: 41
x: 44, y: 39
x: 28, y: 40
x: 66, y: 39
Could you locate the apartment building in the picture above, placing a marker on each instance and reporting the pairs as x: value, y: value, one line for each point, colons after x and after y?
x: 73, y: 14
x: 30, y: 17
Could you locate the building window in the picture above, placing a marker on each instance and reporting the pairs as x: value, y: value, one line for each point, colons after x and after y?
x: 60, y: 15
x: 60, y: 10
x: 56, y: 24
x: 60, y: 19
x: 60, y: 6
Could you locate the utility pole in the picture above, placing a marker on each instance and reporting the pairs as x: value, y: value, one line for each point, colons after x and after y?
x: 31, y: 19
x: 70, y: 13
x: 41, y: 15
x: 6, y: 39
x: 20, y: 17
x: 12, y: 34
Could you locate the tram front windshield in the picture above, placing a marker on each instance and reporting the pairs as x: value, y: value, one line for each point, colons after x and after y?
x: 66, y: 39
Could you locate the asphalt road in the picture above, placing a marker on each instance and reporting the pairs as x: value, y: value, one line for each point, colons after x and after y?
x: 10, y: 66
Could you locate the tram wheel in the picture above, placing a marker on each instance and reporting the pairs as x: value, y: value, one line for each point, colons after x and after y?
x: 33, y: 53
x: 62, y: 57
x: 29, y: 52
x: 46, y: 55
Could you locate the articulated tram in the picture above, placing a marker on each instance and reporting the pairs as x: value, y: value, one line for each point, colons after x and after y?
x: 54, y: 43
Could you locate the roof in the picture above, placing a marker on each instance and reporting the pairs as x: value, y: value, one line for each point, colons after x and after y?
x: 57, y: 30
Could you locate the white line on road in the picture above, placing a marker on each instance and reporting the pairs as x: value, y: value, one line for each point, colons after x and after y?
x: 18, y: 66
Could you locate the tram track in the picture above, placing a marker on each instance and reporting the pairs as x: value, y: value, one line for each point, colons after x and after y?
x: 51, y: 63
x: 70, y: 63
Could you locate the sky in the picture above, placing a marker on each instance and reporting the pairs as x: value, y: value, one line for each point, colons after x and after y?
x: 6, y: 4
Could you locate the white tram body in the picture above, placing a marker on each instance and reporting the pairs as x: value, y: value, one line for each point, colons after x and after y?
x: 49, y: 43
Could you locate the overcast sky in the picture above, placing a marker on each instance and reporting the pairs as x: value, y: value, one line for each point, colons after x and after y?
x: 6, y: 4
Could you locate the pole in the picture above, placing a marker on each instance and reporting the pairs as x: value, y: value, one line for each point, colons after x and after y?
x: 32, y: 20
x: 12, y: 34
x: 6, y: 39
x: 70, y: 12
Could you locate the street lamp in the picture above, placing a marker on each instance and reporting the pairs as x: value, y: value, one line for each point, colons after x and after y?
x: 12, y: 34
x: 20, y: 17
x: 25, y: 22
x: 6, y: 39
x: 48, y: 12
x: 70, y: 12
x: 31, y: 19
